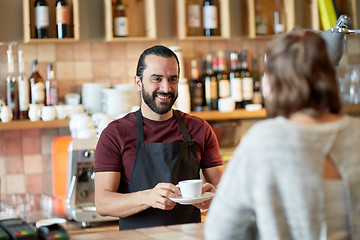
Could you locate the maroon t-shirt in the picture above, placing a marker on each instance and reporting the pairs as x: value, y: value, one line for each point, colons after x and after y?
x: 116, y: 148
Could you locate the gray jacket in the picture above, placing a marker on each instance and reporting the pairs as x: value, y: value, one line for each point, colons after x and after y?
x: 272, y: 187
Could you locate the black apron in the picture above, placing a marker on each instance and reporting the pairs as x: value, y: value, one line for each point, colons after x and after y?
x: 162, y: 162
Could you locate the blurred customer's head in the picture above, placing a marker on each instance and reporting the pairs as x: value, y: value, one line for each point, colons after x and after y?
x: 299, y: 76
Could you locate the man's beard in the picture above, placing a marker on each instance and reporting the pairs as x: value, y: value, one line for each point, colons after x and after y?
x: 164, y: 107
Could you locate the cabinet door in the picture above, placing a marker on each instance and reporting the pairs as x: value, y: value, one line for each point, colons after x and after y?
x: 29, y: 22
x: 141, y: 20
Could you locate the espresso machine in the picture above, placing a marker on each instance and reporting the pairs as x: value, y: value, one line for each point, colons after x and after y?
x: 80, y: 188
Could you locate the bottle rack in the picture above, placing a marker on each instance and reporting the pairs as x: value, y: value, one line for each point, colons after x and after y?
x: 141, y: 20
x: 29, y: 22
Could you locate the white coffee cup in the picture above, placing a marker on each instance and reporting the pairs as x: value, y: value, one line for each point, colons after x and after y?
x: 35, y: 112
x: 62, y: 112
x: 190, y: 188
x: 6, y: 114
x: 72, y: 99
x: 226, y: 104
x: 48, y: 113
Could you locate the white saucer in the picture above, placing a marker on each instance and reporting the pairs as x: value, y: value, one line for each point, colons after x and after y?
x: 187, y: 201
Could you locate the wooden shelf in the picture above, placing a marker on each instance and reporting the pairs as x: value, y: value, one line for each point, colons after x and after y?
x: 238, y: 114
x: 27, y: 124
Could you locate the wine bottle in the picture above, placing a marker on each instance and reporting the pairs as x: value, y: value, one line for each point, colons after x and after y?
x: 193, y: 18
x: 41, y: 19
x: 235, y: 80
x: 197, y: 89
x: 63, y: 19
x: 279, y: 17
x: 120, y: 20
x: 257, y: 98
x: 247, y: 80
x: 24, y: 88
x: 37, y: 86
x: 12, y: 92
x: 261, y: 26
x: 210, y: 18
x: 51, y: 87
x: 222, y: 77
x: 211, y: 91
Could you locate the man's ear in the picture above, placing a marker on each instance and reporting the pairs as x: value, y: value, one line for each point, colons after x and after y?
x: 138, y: 83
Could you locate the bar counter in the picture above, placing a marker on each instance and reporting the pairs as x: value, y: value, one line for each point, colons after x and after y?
x: 190, y: 231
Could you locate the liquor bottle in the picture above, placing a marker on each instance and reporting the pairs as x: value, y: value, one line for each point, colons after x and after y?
x: 247, y: 80
x: 120, y: 20
x: 24, y: 88
x: 257, y: 98
x: 222, y: 77
x: 197, y: 89
x: 41, y: 19
x: 211, y: 91
x: 63, y: 19
x: 12, y: 92
x: 37, y: 86
x: 235, y: 80
x: 51, y: 87
x: 193, y: 18
x: 279, y: 17
x: 261, y: 26
x: 210, y: 18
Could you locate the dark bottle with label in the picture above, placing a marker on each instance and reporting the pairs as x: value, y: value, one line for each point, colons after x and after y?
x: 247, y: 80
x: 37, y: 86
x: 257, y: 98
x: 41, y: 19
x: 63, y: 19
x: 197, y: 89
x: 211, y: 89
x: 235, y: 80
x: 222, y: 77
x: 120, y: 23
x: 12, y: 92
x: 210, y: 18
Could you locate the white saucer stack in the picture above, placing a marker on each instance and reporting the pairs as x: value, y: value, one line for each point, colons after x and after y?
x: 92, y: 97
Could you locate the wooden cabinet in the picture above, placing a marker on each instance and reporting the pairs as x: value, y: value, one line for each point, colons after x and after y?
x: 29, y: 22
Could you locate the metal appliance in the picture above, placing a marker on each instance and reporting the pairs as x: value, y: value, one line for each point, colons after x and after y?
x: 80, y: 188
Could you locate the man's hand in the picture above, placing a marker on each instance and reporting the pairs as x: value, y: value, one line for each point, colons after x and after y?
x: 158, y: 197
x: 207, y: 187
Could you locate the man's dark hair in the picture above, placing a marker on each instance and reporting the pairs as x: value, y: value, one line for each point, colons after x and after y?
x: 157, y: 50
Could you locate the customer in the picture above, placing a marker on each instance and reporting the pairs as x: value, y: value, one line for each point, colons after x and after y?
x: 295, y: 176
x: 141, y: 156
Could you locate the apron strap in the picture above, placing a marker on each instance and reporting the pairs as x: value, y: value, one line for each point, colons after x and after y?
x: 183, y: 128
x: 139, y: 128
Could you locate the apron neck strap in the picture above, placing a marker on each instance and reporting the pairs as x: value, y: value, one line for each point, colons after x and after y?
x: 140, y: 130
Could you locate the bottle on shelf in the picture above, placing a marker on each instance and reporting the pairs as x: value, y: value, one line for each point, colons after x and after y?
x: 197, y: 88
x: 63, y: 19
x: 235, y: 80
x: 51, y: 87
x: 261, y: 23
x: 37, y: 86
x: 193, y: 18
x: 247, y: 80
x: 12, y: 92
x: 120, y: 20
x: 41, y: 19
x: 24, y: 88
x: 279, y: 17
x: 257, y: 97
x: 211, y: 89
x: 210, y: 18
x: 222, y: 77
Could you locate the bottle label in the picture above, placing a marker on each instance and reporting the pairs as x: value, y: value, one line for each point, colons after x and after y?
x: 24, y: 97
x: 38, y: 93
x: 120, y: 26
x: 63, y: 15
x: 42, y: 17
x: 197, y: 94
x: 248, y: 88
x: 210, y: 17
x: 194, y: 16
x: 224, y: 88
x: 236, y: 89
x: 257, y: 97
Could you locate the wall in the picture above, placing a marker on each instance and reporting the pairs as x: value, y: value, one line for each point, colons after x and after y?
x: 25, y: 155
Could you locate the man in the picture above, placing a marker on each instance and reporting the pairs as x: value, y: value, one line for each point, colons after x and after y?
x: 141, y: 156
